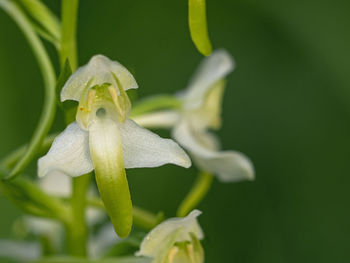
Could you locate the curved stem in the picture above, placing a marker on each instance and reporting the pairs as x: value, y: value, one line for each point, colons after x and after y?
x: 10, y: 160
x: 68, y: 34
x: 142, y: 218
x: 155, y: 103
x: 198, y: 191
x: 27, y: 196
x: 49, y: 77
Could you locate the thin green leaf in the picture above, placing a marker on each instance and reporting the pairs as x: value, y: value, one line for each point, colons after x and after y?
x: 44, y: 17
x: 27, y: 196
x: 47, y: 36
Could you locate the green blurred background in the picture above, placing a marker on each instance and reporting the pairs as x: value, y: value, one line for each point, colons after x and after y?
x: 286, y: 106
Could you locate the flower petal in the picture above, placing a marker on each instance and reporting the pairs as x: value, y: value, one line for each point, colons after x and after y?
x: 212, y: 69
x: 97, y: 72
x: 102, y: 241
x: 69, y: 153
x: 143, y: 148
x: 229, y: 166
x: 19, y: 250
x: 160, y: 119
x: 56, y: 183
x: 153, y: 244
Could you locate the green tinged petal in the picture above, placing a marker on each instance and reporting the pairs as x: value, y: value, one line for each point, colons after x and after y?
x: 107, y: 156
x: 198, y: 26
x: 198, y: 252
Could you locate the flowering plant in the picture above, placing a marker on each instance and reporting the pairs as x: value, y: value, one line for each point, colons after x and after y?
x: 79, y: 206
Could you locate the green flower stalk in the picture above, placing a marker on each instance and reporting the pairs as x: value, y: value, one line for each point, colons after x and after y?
x: 104, y: 139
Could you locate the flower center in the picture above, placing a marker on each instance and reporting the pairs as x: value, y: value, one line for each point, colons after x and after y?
x: 102, y: 101
x: 101, y: 112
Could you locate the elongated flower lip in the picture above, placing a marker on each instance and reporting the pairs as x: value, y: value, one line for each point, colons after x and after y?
x: 98, y: 71
x: 153, y: 244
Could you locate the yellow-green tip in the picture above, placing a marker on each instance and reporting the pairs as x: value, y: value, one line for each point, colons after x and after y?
x: 198, y: 26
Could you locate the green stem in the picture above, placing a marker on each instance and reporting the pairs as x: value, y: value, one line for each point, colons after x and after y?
x: 68, y: 34
x: 32, y: 200
x: 49, y: 77
x: 76, y: 230
x: 198, y: 191
x: 146, y: 219
x: 155, y: 103
x: 142, y: 218
x: 62, y: 259
x: 10, y: 160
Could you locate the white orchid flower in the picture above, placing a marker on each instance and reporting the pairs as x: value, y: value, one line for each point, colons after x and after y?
x: 176, y: 240
x: 103, y: 138
x: 200, y: 111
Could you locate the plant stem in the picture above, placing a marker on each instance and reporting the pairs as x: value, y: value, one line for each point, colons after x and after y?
x: 68, y: 34
x: 146, y: 219
x: 49, y: 77
x: 10, y: 160
x: 155, y: 103
x: 32, y: 200
x: 124, y: 259
x: 142, y: 218
x: 198, y: 191
x: 77, y: 230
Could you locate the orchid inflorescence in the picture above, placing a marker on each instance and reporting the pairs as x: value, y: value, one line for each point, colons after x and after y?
x: 107, y: 135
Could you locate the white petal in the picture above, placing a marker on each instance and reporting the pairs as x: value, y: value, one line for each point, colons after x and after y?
x: 42, y: 226
x: 229, y: 166
x: 153, y: 243
x: 143, y: 148
x: 69, y: 153
x: 102, y: 241
x: 160, y: 119
x: 94, y: 215
x: 56, y: 183
x: 20, y: 250
x: 213, y: 68
x: 45, y: 227
x: 96, y: 72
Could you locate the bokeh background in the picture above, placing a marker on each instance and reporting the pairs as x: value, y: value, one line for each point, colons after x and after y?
x: 286, y: 106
